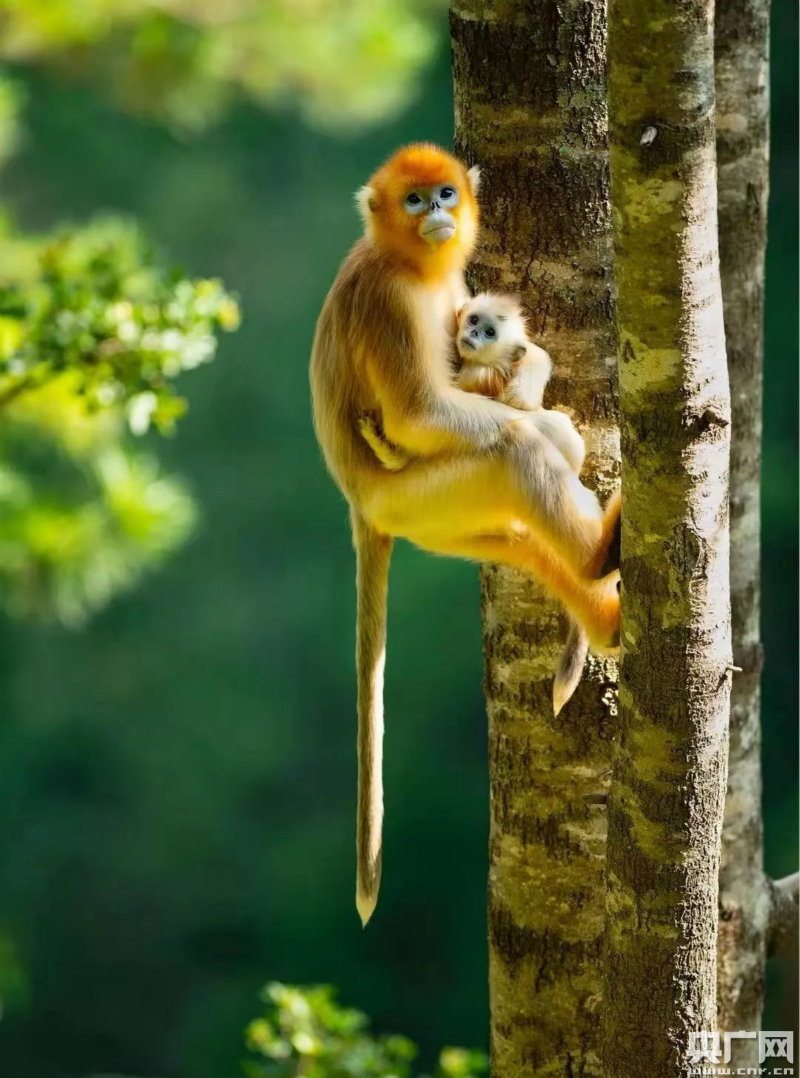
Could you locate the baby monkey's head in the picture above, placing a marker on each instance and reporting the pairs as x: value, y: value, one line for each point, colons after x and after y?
x: 491, y: 330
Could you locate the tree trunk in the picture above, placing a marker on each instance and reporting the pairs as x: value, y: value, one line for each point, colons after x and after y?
x: 530, y: 110
x: 667, y: 792
x: 742, y: 82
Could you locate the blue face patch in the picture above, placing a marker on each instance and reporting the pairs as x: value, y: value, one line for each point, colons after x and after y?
x: 479, y: 330
x: 425, y: 199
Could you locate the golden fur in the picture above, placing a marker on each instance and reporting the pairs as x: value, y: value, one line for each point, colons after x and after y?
x: 485, y: 482
x: 513, y: 370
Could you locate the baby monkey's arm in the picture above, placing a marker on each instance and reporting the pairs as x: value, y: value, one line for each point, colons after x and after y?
x: 525, y: 390
x: 531, y: 373
x: 391, y: 456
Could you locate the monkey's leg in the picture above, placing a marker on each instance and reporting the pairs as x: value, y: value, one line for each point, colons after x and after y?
x: 527, y: 483
x: 556, y: 504
x: 593, y: 603
x: 608, y: 552
x: 434, y: 499
x: 526, y: 388
x: 573, y: 657
x: 470, y: 507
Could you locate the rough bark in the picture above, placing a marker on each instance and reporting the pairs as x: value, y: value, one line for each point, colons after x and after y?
x: 666, y: 800
x: 742, y: 87
x: 530, y: 110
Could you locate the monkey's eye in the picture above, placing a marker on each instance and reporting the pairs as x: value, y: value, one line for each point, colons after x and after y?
x: 447, y: 192
x: 413, y: 199
x: 490, y: 331
x: 473, y: 319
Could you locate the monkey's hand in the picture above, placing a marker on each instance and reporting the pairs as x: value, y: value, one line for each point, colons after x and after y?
x: 391, y: 456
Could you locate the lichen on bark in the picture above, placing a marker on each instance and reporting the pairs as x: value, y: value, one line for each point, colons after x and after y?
x: 666, y: 800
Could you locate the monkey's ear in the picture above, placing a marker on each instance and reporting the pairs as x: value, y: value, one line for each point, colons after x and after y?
x: 474, y: 177
x: 460, y: 312
x: 366, y: 202
x: 518, y: 353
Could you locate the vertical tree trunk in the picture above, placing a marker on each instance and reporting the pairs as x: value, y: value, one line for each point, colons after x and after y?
x: 742, y: 84
x: 530, y: 110
x: 666, y: 801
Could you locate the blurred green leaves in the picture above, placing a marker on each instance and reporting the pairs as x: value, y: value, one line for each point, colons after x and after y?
x: 304, y: 1032
x: 343, y: 63
x: 93, y: 332
x: 93, y: 329
x: 95, y: 302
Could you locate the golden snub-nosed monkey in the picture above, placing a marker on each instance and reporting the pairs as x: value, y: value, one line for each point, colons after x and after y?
x: 485, y: 483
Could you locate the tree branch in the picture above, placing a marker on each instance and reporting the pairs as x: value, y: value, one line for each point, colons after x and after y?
x: 782, y: 932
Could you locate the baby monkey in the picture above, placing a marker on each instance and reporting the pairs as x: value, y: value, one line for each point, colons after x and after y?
x: 494, y: 357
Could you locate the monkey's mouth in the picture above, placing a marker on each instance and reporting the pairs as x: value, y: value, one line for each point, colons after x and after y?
x: 439, y: 232
x: 465, y: 342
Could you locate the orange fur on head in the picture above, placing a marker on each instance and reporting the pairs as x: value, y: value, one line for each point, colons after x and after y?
x: 395, y: 231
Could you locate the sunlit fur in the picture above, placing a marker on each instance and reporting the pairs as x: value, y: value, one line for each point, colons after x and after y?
x: 510, y: 368
x: 514, y: 370
x: 486, y: 484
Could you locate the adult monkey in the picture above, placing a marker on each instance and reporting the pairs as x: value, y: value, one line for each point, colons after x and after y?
x: 485, y: 484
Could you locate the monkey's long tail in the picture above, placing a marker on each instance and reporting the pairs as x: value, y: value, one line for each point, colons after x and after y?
x: 573, y: 657
x: 373, y: 552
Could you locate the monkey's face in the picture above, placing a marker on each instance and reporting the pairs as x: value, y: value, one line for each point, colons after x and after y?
x: 490, y: 331
x: 432, y: 211
x: 424, y: 213
x: 422, y: 206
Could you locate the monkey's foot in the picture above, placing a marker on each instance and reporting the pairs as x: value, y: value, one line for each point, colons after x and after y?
x: 602, y: 624
x: 606, y: 557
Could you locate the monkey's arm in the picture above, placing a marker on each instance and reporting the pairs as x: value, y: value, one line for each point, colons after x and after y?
x: 411, y: 381
x: 532, y: 372
x: 446, y: 420
x: 391, y: 456
x: 454, y: 420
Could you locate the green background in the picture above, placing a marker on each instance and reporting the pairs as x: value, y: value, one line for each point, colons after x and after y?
x: 177, y: 781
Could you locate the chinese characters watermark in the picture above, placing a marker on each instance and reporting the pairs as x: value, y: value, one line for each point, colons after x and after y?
x: 710, y: 1052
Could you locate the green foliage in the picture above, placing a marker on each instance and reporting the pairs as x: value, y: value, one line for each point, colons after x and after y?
x: 93, y: 332
x: 344, y: 62
x: 96, y: 303
x: 304, y: 1032
x: 78, y: 527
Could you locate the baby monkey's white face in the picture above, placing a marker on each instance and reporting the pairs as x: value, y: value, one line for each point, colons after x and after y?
x: 491, y: 331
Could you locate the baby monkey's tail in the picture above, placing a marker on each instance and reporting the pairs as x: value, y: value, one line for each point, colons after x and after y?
x: 373, y: 552
x: 573, y: 657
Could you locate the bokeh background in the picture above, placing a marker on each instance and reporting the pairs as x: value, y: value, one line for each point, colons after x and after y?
x: 177, y: 776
